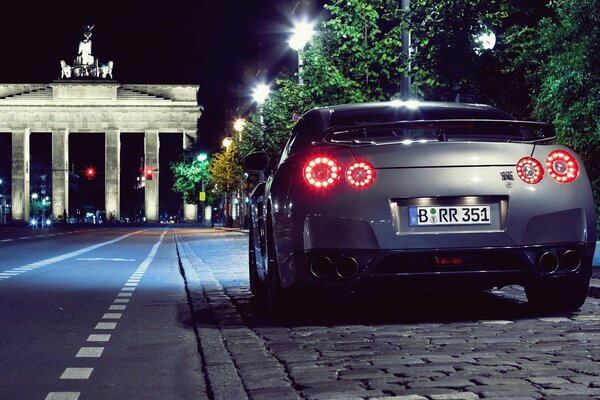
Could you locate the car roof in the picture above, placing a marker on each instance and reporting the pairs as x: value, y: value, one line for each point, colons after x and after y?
x: 391, y: 111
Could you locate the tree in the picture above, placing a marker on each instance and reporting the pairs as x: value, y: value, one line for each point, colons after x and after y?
x: 356, y: 56
x: 444, y: 62
x: 569, y: 83
x: 225, y: 170
x: 190, y: 177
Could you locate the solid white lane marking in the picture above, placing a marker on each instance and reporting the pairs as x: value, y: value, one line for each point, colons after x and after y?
x: 98, y: 338
x: 117, y: 308
x: 106, y: 325
x: 73, y: 253
x: 90, y: 352
x: 112, y: 315
x: 63, y: 396
x: 105, y: 259
x: 77, y: 373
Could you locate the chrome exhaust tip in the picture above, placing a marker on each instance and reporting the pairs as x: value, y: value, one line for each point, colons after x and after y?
x: 570, y: 261
x: 346, y: 267
x: 548, y: 263
x: 321, y: 267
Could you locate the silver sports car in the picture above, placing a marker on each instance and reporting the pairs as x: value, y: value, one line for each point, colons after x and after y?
x: 391, y: 195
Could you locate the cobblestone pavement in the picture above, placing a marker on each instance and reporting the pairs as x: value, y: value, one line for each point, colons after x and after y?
x: 433, y: 346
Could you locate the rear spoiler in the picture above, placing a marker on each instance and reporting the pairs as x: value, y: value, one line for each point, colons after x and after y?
x: 540, y: 131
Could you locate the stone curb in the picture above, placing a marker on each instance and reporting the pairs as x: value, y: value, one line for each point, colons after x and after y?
x: 223, y: 380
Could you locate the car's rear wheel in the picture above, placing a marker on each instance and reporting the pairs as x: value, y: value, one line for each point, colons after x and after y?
x: 561, y: 296
x: 257, y: 287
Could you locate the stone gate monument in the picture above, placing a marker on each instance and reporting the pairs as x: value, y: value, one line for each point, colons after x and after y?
x: 86, y: 100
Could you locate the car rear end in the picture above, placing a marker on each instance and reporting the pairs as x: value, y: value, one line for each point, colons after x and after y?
x: 482, y: 213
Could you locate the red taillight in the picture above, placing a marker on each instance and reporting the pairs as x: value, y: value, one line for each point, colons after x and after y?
x: 322, y: 172
x: 562, y: 166
x: 530, y: 170
x: 360, y: 174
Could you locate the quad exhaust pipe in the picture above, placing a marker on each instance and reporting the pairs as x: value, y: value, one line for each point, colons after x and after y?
x: 323, y: 267
x: 549, y: 262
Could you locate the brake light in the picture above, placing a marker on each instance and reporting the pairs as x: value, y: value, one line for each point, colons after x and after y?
x: 321, y: 172
x: 530, y: 170
x: 360, y: 174
x: 562, y: 166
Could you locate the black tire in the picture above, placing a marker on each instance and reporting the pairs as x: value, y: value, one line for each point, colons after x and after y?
x: 277, y: 303
x: 557, y: 297
x: 257, y: 287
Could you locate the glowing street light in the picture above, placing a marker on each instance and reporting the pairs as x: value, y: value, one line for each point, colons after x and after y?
x: 227, y: 142
x: 260, y: 94
x: 201, y: 157
x: 239, y: 124
x: 484, y: 39
x: 302, y: 35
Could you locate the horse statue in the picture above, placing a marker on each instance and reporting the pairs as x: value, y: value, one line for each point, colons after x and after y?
x: 65, y: 69
x: 106, y: 70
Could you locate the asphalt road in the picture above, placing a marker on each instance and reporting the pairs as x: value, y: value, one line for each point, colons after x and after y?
x: 95, y: 314
x: 166, y: 313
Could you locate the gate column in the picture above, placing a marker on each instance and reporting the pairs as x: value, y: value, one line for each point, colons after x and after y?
x: 60, y: 172
x: 151, y: 149
x: 20, y: 175
x: 112, y: 178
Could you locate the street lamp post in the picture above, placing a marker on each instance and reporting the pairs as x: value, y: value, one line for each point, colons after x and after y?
x: 302, y: 34
x: 260, y: 95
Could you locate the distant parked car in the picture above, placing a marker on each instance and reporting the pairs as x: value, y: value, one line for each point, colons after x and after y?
x: 391, y: 195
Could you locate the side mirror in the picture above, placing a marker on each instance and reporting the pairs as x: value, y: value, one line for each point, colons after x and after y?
x: 257, y: 161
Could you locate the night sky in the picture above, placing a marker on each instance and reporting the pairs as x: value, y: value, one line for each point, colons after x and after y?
x: 223, y: 46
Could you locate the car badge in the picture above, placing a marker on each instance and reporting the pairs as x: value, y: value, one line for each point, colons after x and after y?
x: 507, y: 176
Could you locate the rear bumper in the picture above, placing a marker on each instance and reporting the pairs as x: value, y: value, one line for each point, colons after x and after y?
x: 332, y: 270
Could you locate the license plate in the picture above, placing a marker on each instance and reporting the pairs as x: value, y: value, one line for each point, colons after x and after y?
x: 461, y: 215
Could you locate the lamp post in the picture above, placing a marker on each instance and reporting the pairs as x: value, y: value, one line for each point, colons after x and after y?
x: 301, y: 35
x: 260, y: 94
x: 202, y: 196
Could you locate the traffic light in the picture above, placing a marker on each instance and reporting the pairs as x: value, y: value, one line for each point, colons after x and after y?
x: 90, y: 173
x: 149, y: 172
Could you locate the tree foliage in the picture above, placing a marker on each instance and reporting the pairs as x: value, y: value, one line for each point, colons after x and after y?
x: 189, y: 178
x: 225, y: 170
x: 568, y: 94
x: 444, y: 62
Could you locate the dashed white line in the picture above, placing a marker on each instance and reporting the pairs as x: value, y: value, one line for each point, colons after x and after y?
x: 63, y: 396
x: 98, y: 338
x: 77, y: 373
x: 117, y: 307
x: 90, y: 352
x: 106, y: 325
x: 112, y: 315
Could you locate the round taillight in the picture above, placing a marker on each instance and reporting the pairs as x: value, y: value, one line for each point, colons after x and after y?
x: 530, y: 170
x: 321, y: 172
x: 562, y: 166
x: 360, y: 174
